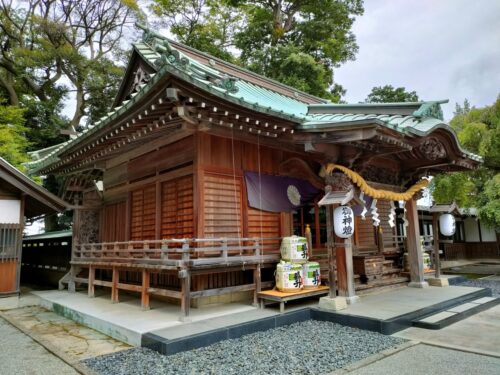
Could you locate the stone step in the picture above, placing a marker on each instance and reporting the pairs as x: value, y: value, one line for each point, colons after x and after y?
x: 455, y: 313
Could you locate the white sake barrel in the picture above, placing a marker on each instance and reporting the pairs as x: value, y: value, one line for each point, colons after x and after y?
x: 312, y: 275
x: 294, y: 249
x: 289, y: 277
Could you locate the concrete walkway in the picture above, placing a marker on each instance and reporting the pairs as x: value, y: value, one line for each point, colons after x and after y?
x: 426, y: 359
x: 20, y: 355
x: 393, y: 303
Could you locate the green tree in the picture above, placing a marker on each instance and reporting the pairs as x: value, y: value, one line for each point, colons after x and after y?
x: 13, y: 143
x: 478, y: 130
x: 389, y: 94
x: 59, y: 50
x: 279, y: 39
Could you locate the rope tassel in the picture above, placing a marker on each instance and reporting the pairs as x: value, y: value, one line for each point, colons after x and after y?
x: 361, y: 198
x: 374, y: 213
x: 403, y: 206
x: 392, y: 215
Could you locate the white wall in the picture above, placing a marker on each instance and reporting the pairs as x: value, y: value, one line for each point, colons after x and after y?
x: 471, y: 230
x: 10, y: 211
x: 488, y: 234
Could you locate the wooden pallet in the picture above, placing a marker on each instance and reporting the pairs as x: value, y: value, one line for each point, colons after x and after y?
x: 275, y: 295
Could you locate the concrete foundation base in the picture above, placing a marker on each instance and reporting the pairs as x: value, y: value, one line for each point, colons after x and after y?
x: 351, y: 300
x: 334, y: 304
x: 439, y: 281
x: 418, y: 284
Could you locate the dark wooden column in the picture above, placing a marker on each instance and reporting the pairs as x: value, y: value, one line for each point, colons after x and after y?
x: 435, y: 238
x: 345, y: 271
x: 331, y: 251
x: 414, y: 249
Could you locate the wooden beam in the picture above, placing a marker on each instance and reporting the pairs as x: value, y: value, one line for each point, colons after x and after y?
x: 414, y: 249
x: 114, y: 287
x: 145, y: 290
x: 435, y: 240
x: 331, y: 250
x: 91, y: 288
x: 186, y: 296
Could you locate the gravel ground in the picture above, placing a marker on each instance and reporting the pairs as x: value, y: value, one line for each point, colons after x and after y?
x: 494, y: 285
x: 310, y: 347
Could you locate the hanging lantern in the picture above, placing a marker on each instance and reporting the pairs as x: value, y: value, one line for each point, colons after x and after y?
x: 343, y: 222
x: 447, y: 224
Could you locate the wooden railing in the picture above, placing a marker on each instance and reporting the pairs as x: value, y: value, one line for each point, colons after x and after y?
x: 173, y: 253
x: 183, y: 258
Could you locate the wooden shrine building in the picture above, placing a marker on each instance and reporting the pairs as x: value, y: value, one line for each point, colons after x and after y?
x: 20, y: 199
x: 169, y: 191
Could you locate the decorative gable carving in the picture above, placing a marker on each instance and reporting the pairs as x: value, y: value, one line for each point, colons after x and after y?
x: 432, y: 149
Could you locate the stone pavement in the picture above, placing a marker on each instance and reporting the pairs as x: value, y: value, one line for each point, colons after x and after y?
x: 20, y: 355
x: 478, y: 333
x: 72, y: 339
x: 426, y: 359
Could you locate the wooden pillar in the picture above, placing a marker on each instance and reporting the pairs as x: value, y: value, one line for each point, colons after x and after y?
x: 185, y: 277
x: 145, y: 290
x: 330, y: 248
x: 91, y: 287
x: 435, y: 240
x: 380, y: 239
x: 345, y: 271
x: 351, y: 294
x: 186, y: 296
x: 114, y: 285
x: 257, y: 274
x: 415, y: 258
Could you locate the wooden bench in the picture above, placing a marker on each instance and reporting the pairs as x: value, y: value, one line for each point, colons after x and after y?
x: 275, y: 295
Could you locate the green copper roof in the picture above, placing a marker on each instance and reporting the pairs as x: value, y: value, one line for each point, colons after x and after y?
x: 419, y: 118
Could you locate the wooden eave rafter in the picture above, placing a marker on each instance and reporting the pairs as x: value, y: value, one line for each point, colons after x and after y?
x: 162, y: 111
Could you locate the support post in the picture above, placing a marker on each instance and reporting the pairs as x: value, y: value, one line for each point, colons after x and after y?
x: 435, y: 238
x: 114, y: 285
x: 145, y: 290
x: 437, y: 280
x: 380, y: 240
x: 349, y: 273
x: 185, y: 277
x: 415, y: 258
x: 331, y: 302
x: 91, y: 287
x: 186, y: 296
x: 331, y: 257
x: 257, y: 275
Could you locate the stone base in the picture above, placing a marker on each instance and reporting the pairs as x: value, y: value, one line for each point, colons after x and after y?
x: 418, y: 284
x: 351, y: 300
x: 438, y: 281
x: 335, y: 304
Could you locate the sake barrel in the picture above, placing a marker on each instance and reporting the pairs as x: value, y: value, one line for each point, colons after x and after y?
x: 312, y: 275
x: 294, y: 249
x: 289, y: 277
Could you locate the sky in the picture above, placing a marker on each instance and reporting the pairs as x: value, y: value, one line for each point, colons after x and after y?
x: 442, y: 49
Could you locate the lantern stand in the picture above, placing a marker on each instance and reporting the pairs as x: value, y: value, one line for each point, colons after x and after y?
x: 331, y: 200
x: 437, y: 210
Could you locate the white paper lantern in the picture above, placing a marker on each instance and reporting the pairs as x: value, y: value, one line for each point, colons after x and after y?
x: 447, y: 224
x: 343, y: 222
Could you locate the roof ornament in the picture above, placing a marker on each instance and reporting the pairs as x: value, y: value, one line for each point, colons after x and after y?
x: 429, y: 109
x: 170, y: 56
x: 227, y: 83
